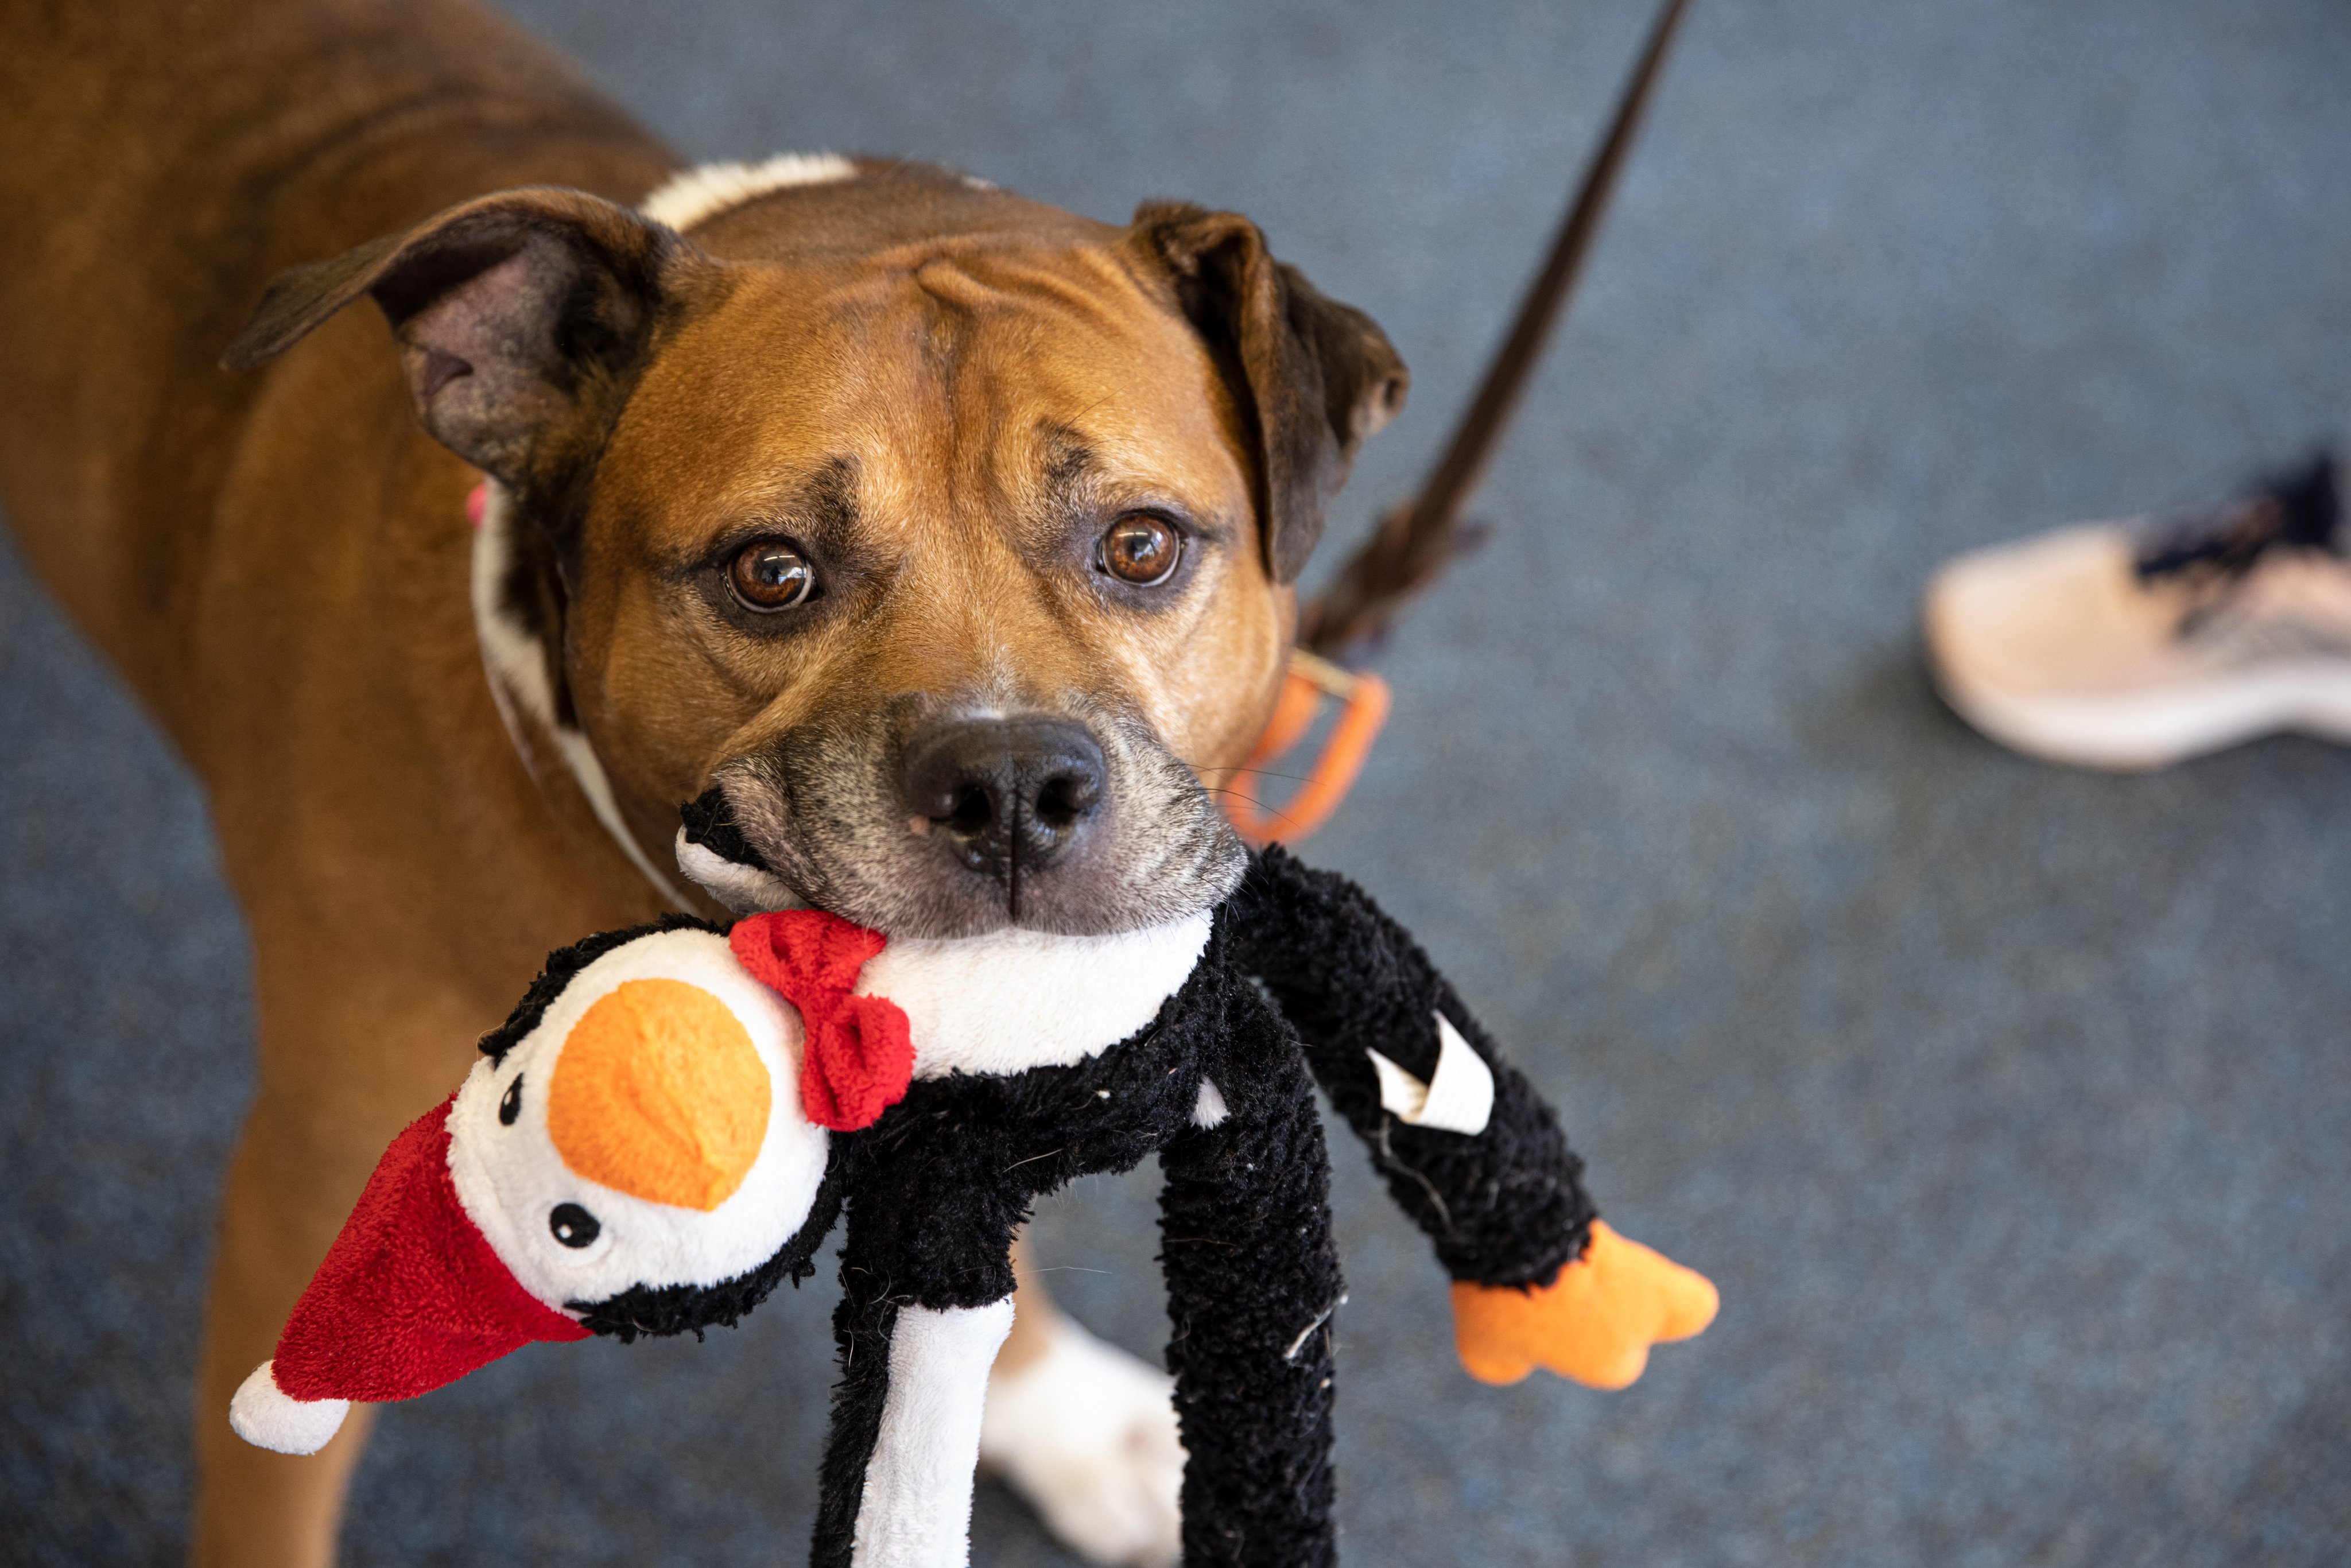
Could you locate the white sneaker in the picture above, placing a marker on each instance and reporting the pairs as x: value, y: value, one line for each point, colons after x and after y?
x: 1086, y: 1434
x: 2131, y: 646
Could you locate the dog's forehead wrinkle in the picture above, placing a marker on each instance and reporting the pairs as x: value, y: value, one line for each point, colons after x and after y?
x: 1024, y: 310
x: 1014, y: 271
x: 949, y: 290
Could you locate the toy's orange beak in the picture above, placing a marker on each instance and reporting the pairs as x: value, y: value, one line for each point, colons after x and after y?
x: 659, y: 1093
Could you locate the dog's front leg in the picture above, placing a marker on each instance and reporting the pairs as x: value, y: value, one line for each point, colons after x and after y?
x: 350, y: 1053
x: 254, y: 1507
x: 1084, y: 1432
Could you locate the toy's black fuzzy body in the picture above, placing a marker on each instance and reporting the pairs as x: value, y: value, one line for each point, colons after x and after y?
x: 938, y: 1185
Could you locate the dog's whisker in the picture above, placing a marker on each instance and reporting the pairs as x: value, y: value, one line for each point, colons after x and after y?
x: 1261, y: 772
x: 1273, y: 773
x: 1274, y: 812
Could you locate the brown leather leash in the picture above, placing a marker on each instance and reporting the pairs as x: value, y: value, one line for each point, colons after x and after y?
x: 1416, y: 539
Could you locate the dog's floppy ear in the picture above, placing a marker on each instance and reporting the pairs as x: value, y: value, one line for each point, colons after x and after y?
x: 515, y: 312
x: 1315, y: 375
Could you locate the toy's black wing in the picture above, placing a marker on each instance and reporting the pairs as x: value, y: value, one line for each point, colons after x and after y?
x: 1504, y: 1202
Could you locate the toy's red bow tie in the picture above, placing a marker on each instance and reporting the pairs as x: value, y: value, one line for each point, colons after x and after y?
x: 860, y: 1055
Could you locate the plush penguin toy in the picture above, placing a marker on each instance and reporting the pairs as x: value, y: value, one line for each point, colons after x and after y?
x: 670, y: 1122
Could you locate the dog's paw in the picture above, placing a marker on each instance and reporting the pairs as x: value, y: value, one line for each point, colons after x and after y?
x: 1594, y: 1323
x: 1086, y: 1434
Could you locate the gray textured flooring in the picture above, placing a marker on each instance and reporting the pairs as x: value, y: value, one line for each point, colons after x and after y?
x: 2007, y: 1105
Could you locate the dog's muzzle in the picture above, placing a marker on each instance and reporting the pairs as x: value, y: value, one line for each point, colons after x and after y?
x: 952, y: 824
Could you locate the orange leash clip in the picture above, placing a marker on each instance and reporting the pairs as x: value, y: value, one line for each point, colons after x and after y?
x: 1311, y: 679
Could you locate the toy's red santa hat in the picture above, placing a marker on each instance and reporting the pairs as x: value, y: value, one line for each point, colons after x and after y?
x: 411, y: 1297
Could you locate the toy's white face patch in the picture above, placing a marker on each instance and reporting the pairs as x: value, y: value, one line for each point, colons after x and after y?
x: 647, y: 1131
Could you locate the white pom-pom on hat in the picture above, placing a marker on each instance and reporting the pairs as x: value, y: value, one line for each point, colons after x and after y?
x: 268, y: 1417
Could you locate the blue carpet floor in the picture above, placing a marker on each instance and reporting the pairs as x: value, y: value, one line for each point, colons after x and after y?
x: 2008, y: 1105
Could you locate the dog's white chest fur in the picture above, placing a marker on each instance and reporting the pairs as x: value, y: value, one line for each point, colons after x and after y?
x: 1013, y: 1000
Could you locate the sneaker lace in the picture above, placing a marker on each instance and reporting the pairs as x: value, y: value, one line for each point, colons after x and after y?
x: 2297, y: 510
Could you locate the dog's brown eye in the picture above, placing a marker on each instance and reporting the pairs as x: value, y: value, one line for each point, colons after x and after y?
x: 1141, y: 550
x: 771, y: 574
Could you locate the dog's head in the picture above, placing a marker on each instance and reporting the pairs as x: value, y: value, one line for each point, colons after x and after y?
x: 950, y: 539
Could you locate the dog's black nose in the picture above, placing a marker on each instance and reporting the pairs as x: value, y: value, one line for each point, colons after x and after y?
x: 1007, y: 795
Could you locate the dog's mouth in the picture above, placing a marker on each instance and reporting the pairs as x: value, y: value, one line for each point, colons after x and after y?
x: 713, y: 852
x: 955, y: 823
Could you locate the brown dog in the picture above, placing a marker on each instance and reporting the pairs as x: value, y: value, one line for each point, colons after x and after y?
x: 953, y: 535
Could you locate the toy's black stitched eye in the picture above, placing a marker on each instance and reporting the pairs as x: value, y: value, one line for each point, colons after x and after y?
x: 769, y: 575
x: 1141, y: 549
x: 573, y: 1225
x: 510, y: 1103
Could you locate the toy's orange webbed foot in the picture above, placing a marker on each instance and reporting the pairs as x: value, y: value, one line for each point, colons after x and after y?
x: 1594, y: 1323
